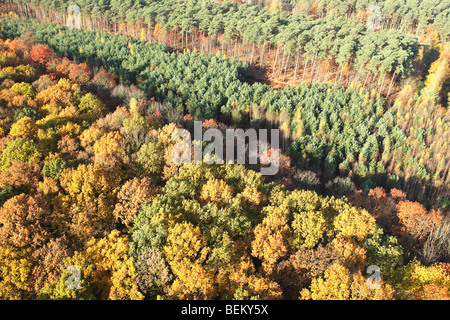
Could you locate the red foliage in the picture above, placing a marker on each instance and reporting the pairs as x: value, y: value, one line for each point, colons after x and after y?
x: 187, y: 118
x: 80, y: 73
x: 41, y: 55
x: 155, y: 117
x: 63, y: 68
x: 446, y: 267
x: 169, y: 38
x: 104, y: 80
x: 416, y: 223
x: 211, y: 123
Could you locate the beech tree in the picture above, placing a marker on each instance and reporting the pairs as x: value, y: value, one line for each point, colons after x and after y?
x: 15, y: 271
x: 25, y: 221
x: 271, y: 241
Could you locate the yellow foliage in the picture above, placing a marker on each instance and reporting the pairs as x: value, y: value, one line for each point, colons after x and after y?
x: 416, y: 281
x: 165, y: 134
x: 438, y: 74
x: 14, y: 273
x: 71, y: 129
x: 335, y: 285
x: 272, y: 240
x: 251, y: 195
x: 89, y: 136
x: 143, y: 35
x: 186, y: 246
x: 193, y: 283
x: 309, y: 227
x: 217, y: 191
x: 89, y: 198
x: 24, y: 127
x: 354, y: 223
x: 350, y: 253
x: 113, y: 269
x: 48, y: 186
x: 110, y: 143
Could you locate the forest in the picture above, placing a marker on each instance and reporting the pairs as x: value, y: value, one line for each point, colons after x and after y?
x: 331, y: 49
x: 87, y: 179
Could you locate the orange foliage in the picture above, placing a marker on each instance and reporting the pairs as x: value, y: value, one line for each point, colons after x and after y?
x: 416, y: 220
x: 41, y: 55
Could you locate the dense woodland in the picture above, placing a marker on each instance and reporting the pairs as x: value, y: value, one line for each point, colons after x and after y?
x: 291, y: 47
x: 86, y: 176
x: 412, y: 16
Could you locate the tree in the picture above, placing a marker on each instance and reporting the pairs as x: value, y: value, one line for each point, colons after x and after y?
x: 80, y: 73
x: 150, y: 227
x: 339, y: 284
x: 19, y: 149
x: 91, y: 105
x: 185, y: 247
x: 153, y: 274
x: 340, y: 187
x: 60, y: 290
x: 416, y: 222
x: 48, y: 262
x: 383, y: 251
x: 109, y: 152
x: 130, y: 198
x: 335, y: 285
x: 354, y: 223
x: 15, y: 271
x: 114, y: 272
x: 150, y: 160
x: 87, y: 203
x: 308, y: 229
x: 216, y: 191
x: 311, y: 263
x: 416, y: 281
x: 25, y: 221
x: 438, y: 73
x: 272, y: 241
x: 25, y: 127
x: 22, y: 176
x: 24, y: 89
x: 53, y: 168
x: 41, y: 55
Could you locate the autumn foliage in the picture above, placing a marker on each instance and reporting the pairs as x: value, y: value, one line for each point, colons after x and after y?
x: 86, y: 180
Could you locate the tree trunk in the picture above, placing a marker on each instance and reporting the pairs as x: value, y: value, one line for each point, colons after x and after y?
x: 382, y: 84
x: 275, y: 62
x: 390, y: 85
x: 296, y: 65
x: 304, y: 70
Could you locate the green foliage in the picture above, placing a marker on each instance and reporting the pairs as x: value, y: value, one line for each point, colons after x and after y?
x: 25, y: 112
x: 383, y: 251
x: 150, y: 160
x: 19, y: 149
x: 53, y: 168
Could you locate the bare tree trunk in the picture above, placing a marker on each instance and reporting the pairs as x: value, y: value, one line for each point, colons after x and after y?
x: 282, y: 63
x: 304, y: 70
x: 296, y: 65
x: 382, y: 84
x: 390, y: 85
x: 251, y: 57
x: 262, y: 56
x: 285, y: 67
x: 275, y: 62
x: 364, y: 85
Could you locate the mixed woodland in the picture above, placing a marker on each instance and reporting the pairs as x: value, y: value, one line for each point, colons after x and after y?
x: 87, y: 178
